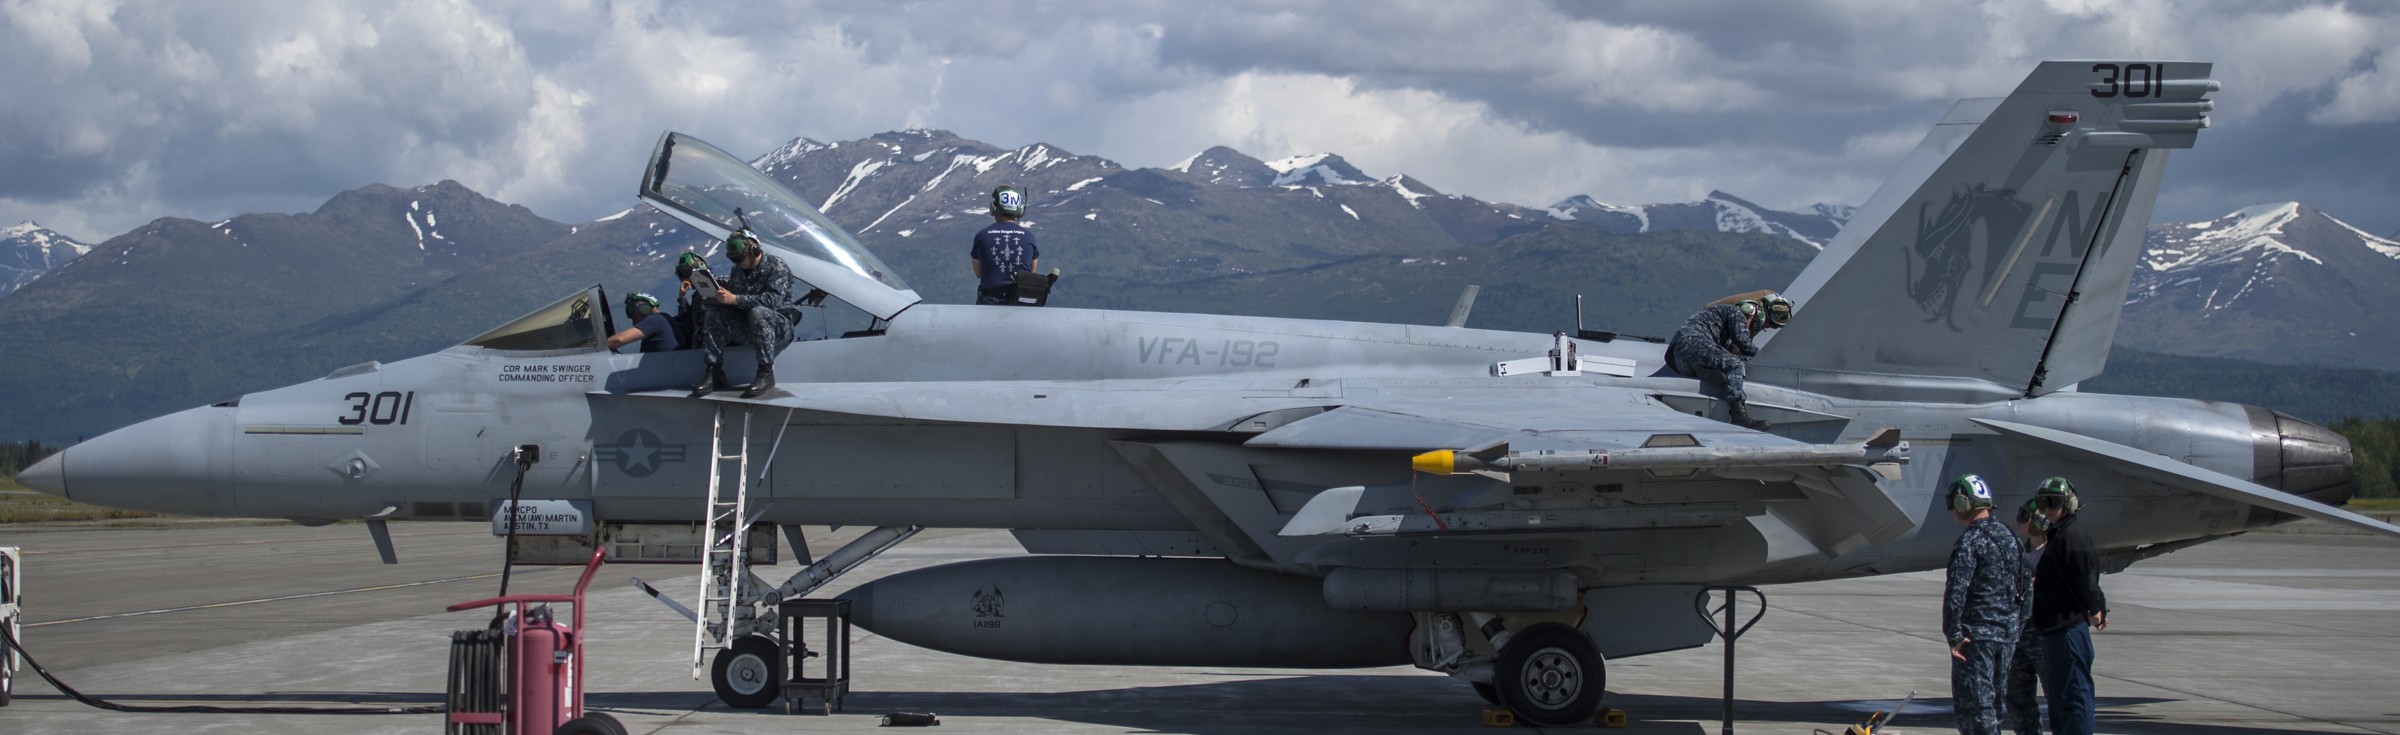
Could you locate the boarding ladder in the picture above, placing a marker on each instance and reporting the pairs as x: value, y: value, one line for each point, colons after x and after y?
x: 729, y: 592
x: 725, y: 535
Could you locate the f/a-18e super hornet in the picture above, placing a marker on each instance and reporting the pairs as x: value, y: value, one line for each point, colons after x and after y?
x: 1512, y: 509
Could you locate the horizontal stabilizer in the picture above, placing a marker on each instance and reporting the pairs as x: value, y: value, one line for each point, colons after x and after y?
x: 2166, y: 471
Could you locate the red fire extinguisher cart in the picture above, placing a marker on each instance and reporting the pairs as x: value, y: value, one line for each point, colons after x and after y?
x: 543, y: 682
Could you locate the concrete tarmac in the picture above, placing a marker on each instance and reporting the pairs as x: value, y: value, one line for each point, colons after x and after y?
x: 2260, y: 634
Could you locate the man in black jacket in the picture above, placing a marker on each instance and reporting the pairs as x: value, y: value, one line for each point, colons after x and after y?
x: 2067, y: 607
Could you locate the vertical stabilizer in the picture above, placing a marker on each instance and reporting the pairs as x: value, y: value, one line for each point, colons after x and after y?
x: 1994, y: 263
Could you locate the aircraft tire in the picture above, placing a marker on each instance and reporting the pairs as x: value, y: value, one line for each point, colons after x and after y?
x: 1551, y: 674
x: 748, y: 675
x: 592, y: 723
x: 1488, y: 693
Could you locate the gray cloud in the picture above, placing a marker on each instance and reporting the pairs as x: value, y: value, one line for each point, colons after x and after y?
x: 117, y: 114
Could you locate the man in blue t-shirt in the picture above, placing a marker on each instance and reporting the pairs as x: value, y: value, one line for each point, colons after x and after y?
x: 1003, y: 250
x: 649, y: 327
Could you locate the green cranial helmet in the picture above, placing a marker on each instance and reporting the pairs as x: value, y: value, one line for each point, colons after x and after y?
x: 1969, y: 492
x: 641, y: 302
x: 2057, y: 492
x: 1009, y: 201
x: 1778, y: 310
x: 688, y: 262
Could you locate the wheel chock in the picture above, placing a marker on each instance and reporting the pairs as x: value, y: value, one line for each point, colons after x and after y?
x: 1499, y: 717
x: 1612, y: 717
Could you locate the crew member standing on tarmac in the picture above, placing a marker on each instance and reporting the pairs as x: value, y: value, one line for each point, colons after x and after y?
x: 1715, y: 345
x: 751, y: 308
x: 2067, y: 607
x: 652, y: 329
x: 2025, y: 664
x: 1003, y: 250
x: 1982, y: 606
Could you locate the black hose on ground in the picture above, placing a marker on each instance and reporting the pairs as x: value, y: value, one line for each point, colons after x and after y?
x: 93, y: 701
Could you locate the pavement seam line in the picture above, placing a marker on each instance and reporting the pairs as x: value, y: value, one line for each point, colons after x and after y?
x: 238, y: 603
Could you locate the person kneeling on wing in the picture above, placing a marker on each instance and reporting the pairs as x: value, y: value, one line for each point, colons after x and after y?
x: 1714, y: 345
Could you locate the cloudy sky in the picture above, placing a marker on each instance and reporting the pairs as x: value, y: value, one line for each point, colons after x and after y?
x: 112, y: 114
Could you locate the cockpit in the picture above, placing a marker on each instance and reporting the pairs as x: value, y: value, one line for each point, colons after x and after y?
x: 576, y: 322
x: 717, y: 193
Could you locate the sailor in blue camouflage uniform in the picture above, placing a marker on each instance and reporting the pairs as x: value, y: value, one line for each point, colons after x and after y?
x: 1983, y: 606
x: 1714, y: 345
x: 2025, y: 664
x: 754, y: 306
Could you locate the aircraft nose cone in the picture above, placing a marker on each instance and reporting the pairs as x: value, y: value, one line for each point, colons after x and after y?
x: 175, y: 464
x: 2305, y: 459
x: 48, y: 476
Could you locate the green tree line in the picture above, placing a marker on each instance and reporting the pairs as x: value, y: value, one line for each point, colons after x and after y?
x: 2376, y: 445
x: 19, y: 455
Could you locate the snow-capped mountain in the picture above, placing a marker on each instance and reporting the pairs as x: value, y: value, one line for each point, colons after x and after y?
x: 1226, y: 166
x: 1719, y: 212
x: 29, y: 250
x: 2277, y: 282
x: 1315, y: 168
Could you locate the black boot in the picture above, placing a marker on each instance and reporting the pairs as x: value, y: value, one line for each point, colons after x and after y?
x: 1740, y: 413
x: 761, y: 384
x: 712, y: 382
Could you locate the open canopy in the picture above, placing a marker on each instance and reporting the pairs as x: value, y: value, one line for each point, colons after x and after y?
x: 577, y: 322
x: 716, y: 193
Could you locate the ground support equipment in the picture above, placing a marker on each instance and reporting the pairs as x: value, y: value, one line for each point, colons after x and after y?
x: 1728, y: 629
x: 543, y: 664
x: 834, y: 657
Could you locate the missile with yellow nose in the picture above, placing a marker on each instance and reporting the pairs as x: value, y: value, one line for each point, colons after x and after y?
x: 1884, y: 448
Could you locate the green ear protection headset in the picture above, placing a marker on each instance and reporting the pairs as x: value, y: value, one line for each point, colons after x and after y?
x: 740, y: 245
x: 2030, y: 514
x: 1777, y: 310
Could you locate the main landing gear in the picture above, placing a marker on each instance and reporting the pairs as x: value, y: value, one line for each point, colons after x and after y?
x: 1549, y: 674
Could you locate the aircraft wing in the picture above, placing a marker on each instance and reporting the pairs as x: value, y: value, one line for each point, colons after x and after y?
x: 2166, y: 471
x: 1595, y: 420
x: 1591, y: 432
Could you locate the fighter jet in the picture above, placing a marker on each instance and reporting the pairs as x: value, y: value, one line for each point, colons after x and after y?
x: 1512, y: 509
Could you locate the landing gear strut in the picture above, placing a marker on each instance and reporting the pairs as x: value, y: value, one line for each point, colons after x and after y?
x: 1550, y: 674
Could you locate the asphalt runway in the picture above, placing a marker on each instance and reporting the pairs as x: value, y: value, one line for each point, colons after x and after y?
x: 2265, y: 633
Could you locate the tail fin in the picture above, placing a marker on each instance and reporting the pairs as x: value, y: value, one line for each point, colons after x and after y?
x: 1994, y: 263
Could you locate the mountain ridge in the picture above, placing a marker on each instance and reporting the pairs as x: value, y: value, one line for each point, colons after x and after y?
x: 181, y: 312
